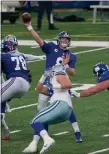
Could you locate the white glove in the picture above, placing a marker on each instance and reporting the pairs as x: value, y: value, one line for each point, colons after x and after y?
x: 75, y: 94
x: 48, y: 73
x: 43, y: 57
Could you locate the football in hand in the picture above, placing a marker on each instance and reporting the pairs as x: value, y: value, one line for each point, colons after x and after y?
x: 26, y: 17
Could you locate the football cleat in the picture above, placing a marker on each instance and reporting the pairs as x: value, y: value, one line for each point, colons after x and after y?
x: 78, y: 137
x: 6, y: 135
x: 6, y: 138
x: 48, y: 143
x: 31, y: 148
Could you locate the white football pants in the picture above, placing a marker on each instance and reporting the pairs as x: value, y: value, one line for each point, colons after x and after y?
x: 15, y: 87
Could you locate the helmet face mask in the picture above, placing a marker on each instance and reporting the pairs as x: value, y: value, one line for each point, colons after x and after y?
x: 9, y: 43
x: 99, y: 69
x: 64, y: 39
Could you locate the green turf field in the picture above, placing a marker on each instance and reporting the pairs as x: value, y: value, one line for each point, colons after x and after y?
x: 92, y: 113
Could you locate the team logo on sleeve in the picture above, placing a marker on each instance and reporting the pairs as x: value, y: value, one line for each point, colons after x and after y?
x: 55, y: 50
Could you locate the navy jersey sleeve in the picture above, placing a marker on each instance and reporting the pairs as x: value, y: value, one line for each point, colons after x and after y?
x: 46, y: 47
x: 72, y: 61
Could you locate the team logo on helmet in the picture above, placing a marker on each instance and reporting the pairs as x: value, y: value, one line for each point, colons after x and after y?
x: 9, y: 43
x: 100, y: 69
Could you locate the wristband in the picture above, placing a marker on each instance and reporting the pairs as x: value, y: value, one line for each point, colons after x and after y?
x: 30, y: 27
x: 57, y: 86
x: 42, y: 79
x: 66, y: 66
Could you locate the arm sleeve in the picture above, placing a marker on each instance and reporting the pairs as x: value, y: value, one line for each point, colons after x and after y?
x: 32, y: 57
x: 72, y: 61
x: 46, y: 47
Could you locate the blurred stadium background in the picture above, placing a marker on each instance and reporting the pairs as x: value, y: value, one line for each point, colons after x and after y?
x: 91, y: 44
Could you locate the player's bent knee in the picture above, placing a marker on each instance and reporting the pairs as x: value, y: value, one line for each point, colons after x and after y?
x: 40, y: 107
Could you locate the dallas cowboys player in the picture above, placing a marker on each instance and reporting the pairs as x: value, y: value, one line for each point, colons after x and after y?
x: 54, y: 55
x: 58, y: 111
x: 101, y: 71
x: 18, y: 77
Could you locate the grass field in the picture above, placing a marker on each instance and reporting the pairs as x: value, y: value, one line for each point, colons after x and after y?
x: 92, y: 113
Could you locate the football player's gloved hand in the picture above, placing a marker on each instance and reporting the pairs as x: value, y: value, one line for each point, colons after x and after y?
x: 43, y: 57
x: 48, y: 73
x: 74, y: 93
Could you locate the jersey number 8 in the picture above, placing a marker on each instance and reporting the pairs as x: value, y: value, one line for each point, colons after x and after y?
x: 20, y: 61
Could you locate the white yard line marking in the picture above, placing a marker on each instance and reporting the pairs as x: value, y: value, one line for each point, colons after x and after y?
x: 99, y: 151
x: 87, y: 51
x: 35, y: 47
x: 106, y: 135
x: 73, y: 43
x: 15, y: 131
x: 61, y: 133
x: 57, y: 134
x: 22, y: 107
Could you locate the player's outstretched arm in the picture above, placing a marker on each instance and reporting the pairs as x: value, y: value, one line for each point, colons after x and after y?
x: 34, y: 34
x: 96, y: 89
x: 34, y: 58
x: 92, y: 90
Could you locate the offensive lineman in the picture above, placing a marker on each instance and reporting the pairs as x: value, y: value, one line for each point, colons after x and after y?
x: 17, y: 75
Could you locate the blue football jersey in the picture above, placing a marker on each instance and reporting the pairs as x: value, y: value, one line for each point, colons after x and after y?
x: 54, y: 55
x: 104, y: 77
x: 14, y: 65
